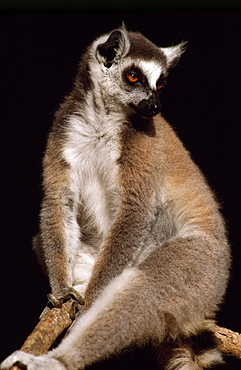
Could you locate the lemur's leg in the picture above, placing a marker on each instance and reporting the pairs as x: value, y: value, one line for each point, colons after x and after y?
x: 156, y: 300
x: 153, y: 302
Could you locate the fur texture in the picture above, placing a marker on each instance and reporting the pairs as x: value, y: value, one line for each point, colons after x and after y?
x: 128, y: 220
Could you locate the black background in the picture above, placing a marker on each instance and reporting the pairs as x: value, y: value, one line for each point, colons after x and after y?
x: 39, y: 57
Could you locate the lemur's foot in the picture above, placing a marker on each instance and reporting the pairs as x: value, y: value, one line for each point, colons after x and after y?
x: 26, y: 361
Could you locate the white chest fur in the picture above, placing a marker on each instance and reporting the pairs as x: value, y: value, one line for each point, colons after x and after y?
x: 91, y: 151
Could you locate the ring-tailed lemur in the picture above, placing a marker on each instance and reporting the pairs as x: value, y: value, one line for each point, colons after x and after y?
x: 127, y: 220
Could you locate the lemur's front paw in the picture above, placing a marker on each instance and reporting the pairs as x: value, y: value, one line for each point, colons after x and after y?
x: 67, y: 294
x: 58, y: 300
x: 26, y: 361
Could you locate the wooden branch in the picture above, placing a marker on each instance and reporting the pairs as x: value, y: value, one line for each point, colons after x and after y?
x: 49, y: 328
x: 230, y: 341
x: 57, y: 320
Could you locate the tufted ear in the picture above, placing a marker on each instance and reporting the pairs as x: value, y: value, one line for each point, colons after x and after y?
x: 173, y: 53
x: 116, y: 46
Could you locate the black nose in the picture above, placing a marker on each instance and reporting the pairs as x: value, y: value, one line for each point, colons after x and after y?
x: 155, y: 109
x: 147, y: 108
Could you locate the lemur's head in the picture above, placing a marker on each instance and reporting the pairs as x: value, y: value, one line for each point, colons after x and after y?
x: 129, y: 71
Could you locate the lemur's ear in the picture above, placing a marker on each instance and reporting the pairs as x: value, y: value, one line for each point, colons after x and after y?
x: 173, y: 53
x: 116, y: 46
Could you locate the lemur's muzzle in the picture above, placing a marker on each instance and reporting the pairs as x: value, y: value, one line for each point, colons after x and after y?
x: 148, y: 108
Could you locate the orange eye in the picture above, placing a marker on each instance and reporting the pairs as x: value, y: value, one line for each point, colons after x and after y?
x: 159, y: 87
x: 132, y: 78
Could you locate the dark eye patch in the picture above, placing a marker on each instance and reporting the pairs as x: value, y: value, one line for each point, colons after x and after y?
x: 161, y: 82
x: 133, y: 76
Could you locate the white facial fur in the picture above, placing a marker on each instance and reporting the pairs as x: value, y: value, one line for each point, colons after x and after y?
x: 152, y: 70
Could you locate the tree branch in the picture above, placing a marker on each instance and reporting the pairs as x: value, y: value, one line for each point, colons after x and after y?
x: 49, y: 328
x: 57, y: 320
x: 230, y: 341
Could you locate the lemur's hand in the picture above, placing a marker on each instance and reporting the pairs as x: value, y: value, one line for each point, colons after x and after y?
x: 57, y: 301
x: 68, y: 293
